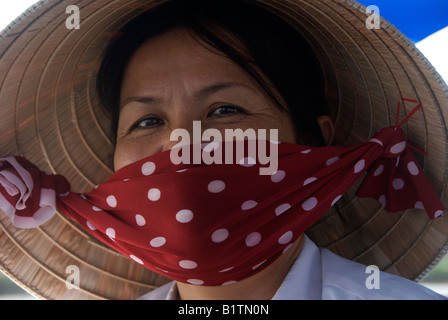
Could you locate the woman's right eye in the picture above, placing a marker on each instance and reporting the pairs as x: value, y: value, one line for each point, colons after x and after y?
x: 147, y: 123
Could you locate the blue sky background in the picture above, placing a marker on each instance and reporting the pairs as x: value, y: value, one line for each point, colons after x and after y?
x: 415, y: 18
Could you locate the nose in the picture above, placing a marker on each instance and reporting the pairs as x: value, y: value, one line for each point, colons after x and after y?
x: 183, y: 130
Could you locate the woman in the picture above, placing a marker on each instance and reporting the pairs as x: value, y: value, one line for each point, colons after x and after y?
x: 184, y: 63
x: 175, y: 66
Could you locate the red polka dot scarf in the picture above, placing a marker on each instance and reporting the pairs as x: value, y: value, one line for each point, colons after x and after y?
x: 220, y: 223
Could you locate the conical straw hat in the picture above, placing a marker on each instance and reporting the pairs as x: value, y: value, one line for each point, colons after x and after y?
x: 49, y: 114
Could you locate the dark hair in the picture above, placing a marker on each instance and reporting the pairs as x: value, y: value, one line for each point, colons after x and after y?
x: 276, y: 48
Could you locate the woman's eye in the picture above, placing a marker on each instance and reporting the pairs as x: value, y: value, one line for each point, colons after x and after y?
x: 226, y: 110
x: 148, y: 123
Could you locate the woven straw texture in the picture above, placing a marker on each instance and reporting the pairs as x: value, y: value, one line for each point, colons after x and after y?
x: 49, y: 114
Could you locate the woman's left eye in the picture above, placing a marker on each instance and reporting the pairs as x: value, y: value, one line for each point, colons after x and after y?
x: 226, y: 110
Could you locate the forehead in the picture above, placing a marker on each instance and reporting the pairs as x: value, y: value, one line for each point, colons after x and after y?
x: 177, y: 54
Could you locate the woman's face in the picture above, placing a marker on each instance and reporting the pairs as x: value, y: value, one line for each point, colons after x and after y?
x: 171, y: 81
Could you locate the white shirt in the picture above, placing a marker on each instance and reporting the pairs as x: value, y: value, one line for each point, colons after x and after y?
x: 319, y: 274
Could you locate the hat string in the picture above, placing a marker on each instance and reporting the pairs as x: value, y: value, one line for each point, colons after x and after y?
x: 413, y: 111
x: 408, y: 116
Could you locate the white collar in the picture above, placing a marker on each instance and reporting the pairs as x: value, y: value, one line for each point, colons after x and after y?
x: 303, y: 281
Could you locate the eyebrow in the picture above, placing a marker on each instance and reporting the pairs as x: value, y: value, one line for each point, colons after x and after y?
x: 201, y: 94
x: 143, y: 100
x: 208, y: 91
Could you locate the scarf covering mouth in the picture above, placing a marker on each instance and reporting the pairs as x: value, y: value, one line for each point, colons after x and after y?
x: 216, y: 224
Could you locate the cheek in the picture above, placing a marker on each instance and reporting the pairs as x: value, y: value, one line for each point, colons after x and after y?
x: 123, y: 156
x: 284, y: 126
x: 130, y: 151
x: 287, y: 133
x: 272, y: 117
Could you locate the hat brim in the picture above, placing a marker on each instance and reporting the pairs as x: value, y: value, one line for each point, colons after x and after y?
x: 50, y: 115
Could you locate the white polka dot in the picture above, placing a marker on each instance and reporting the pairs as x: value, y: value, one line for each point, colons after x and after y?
x: 336, y: 200
x: 227, y: 269
x: 309, y: 180
x: 181, y: 170
x: 278, y: 176
x: 376, y: 141
x: 419, y: 205
x: 253, y: 239
x: 110, y: 232
x: 398, y: 184
x: 332, y: 161
x: 249, y: 204
x: 285, y: 238
x: 227, y: 283
x: 282, y: 208
x: 138, y: 260
x: 148, y: 168
x: 247, y: 162
x: 216, y: 186
x: 64, y: 194
x: 140, y: 220
x: 157, y: 242
x: 359, y: 166
x: 94, y: 208
x: 154, y: 194
x: 382, y: 199
x: 438, y: 214
x: 111, y: 201
x: 397, y: 148
x: 184, y: 216
x: 413, y: 169
x: 379, y: 171
x: 91, y: 226
x: 305, y: 151
x: 220, y: 235
x: 309, y: 204
x: 195, y: 282
x: 188, y: 264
